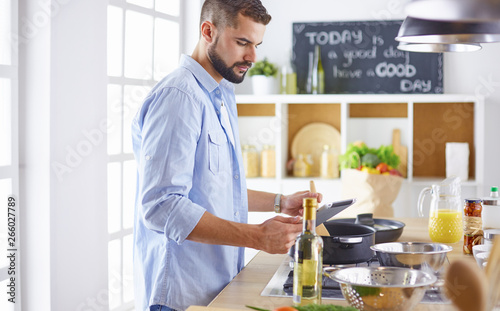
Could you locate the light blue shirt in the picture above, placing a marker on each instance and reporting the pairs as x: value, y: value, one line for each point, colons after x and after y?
x: 186, y: 165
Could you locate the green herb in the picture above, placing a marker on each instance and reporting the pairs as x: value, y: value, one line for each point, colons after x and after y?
x: 255, y: 308
x: 366, y: 290
x: 263, y: 68
x: 314, y: 307
x: 325, y: 307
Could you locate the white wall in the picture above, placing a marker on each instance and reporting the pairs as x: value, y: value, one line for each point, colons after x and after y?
x: 63, y: 155
x: 476, y: 73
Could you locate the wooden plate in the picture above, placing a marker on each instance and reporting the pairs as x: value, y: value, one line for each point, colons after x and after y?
x: 311, y: 138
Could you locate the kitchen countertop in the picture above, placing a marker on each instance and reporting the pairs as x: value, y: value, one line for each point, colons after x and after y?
x: 246, y: 287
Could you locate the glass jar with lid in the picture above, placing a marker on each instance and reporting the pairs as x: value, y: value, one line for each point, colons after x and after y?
x: 302, y: 166
x: 490, y: 235
x: 473, y: 232
x: 328, y: 166
x: 250, y: 161
x: 268, y: 161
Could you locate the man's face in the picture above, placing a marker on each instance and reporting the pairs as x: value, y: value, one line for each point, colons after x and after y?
x: 234, y: 49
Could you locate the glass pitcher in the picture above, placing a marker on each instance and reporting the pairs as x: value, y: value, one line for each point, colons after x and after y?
x: 445, y: 214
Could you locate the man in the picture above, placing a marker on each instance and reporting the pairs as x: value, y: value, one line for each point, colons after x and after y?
x: 192, y: 202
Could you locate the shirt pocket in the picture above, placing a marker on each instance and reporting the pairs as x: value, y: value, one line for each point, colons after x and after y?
x: 217, y: 151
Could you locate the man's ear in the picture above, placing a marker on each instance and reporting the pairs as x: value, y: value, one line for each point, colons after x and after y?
x: 208, y: 31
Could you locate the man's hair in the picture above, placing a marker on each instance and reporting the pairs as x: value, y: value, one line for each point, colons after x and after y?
x: 224, y: 13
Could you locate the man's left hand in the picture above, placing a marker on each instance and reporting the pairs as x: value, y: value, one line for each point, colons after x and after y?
x: 292, y: 204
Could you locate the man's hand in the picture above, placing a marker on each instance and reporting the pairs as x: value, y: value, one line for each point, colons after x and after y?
x: 278, y: 234
x: 292, y: 204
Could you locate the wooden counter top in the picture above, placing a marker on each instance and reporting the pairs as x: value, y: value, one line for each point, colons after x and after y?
x: 246, y: 287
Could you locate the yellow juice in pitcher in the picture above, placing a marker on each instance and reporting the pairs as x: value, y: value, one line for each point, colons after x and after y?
x: 445, y: 226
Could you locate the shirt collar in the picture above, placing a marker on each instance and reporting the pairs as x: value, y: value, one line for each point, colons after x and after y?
x: 205, y: 79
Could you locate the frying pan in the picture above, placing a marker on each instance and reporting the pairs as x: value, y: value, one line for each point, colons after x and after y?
x: 347, y: 243
x: 387, y: 230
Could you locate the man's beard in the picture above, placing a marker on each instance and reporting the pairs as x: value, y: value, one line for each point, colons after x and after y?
x: 221, y: 67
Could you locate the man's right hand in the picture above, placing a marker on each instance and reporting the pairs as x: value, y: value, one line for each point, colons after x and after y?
x: 278, y: 234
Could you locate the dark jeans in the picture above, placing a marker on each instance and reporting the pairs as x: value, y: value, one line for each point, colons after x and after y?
x: 160, y: 308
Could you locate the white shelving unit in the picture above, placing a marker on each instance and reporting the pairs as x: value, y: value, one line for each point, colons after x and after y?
x: 275, y: 128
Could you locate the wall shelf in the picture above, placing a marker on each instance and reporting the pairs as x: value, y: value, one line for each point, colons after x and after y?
x: 457, y: 117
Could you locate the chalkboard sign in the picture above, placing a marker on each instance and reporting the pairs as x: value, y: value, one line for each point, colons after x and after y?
x: 362, y: 57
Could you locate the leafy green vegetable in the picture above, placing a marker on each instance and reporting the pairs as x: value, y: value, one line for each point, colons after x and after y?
x: 354, y: 154
x: 386, y: 155
x: 370, y: 160
x: 324, y: 307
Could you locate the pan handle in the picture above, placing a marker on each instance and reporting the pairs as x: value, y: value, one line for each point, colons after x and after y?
x: 348, y: 240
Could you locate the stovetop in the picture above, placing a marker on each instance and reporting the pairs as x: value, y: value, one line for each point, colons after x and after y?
x: 281, y: 284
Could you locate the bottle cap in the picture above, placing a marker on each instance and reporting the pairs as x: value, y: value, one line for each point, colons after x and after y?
x: 310, y: 205
x: 310, y: 202
x: 494, y: 189
x: 474, y: 200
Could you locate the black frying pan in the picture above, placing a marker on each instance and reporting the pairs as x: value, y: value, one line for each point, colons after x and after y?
x: 347, y: 243
x: 387, y: 230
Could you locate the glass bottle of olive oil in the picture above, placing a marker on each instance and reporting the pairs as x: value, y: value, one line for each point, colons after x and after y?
x: 308, y: 265
x: 318, y: 74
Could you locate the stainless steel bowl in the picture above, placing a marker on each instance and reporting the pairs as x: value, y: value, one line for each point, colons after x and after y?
x: 383, y: 288
x: 413, y: 255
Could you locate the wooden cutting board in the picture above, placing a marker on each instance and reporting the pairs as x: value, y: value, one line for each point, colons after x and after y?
x: 401, y: 151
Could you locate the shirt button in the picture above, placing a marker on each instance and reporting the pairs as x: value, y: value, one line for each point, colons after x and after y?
x: 148, y: 157
x: 218, y: 92
x: 236, y: 213
x: 218, y: 112
x: 236, y: 176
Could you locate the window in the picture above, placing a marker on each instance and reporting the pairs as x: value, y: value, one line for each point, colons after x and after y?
x: 9, y: 163
x: 143, y: 46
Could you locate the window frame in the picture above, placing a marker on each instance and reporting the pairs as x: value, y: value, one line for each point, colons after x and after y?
x: 11, y: 171
x: 121, y: 158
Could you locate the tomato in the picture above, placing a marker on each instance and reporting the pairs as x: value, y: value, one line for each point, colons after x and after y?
x: 285, y: 308
x: 382, y: 168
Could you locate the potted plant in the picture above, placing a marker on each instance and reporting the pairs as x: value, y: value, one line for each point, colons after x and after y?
x: 263, y: 74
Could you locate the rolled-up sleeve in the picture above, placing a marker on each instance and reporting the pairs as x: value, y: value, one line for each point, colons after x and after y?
x: 170, y: 126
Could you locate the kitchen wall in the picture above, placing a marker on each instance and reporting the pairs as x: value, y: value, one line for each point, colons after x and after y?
x: 63, y: 159
x: 476, y: 73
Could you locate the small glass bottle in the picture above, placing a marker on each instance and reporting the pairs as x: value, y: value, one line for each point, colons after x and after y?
x: 328, y: 163
x: 308, y: 259
x: 288, y: 78
x: 250, y: 161
x: 491, y: 210
x: 268, y: 162
x: 301, y: 167
x: 318, y: 73
x: 473, y: 232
